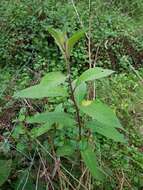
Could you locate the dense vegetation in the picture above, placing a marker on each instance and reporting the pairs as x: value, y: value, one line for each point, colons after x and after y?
x: 78, y: 123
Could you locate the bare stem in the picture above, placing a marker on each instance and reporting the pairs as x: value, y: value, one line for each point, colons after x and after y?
x: 73, y: 97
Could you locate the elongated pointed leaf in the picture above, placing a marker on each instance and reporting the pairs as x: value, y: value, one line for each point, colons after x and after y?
x: 74, y: 39
x: 41, y: 91
x: 59, y: 38
x: 65, y: 150
x: 5, y: 168
x: 93, y: 74
x: 107, y: 131
x: 53, y: 79
x: 80, y: 93
x: 101, y: 113
x: 89, y: 158
x: 53, y: 117
x: 38, y: 131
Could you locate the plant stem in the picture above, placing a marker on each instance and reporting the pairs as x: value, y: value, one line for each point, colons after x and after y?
x: 72, y: 96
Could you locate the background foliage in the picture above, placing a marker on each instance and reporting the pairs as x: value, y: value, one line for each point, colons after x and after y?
x: 27, y: 52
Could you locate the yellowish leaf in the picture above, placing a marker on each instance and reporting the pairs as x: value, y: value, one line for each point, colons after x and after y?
x: 86, y: 102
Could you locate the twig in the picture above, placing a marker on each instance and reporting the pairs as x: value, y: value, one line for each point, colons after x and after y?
x: 122, y: 181
x: 30, y: 167
x: 78, y: 188
x: 89, y: 37
x: 45, y: 150
x: 46, y: 172
x: 37, y: 179
x: 65, y: 178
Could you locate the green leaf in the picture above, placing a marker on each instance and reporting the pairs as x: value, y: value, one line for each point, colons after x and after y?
x: 48, y: 87
x: 18, y: 130
x: 74, y: 39
x: 59, y: 108
x: 65, y: 150
x: 22, y: 146
x: 80, y: 92
x: 89, y: 158
x: 93, y: 74
x: 41, y: 91
x: 107, y: 131
x: 53, y: 79
x: 5, y: 169
x: 53, y: 117
x: 101, y: 113
x: 59, y: 37
x: 38, y: 131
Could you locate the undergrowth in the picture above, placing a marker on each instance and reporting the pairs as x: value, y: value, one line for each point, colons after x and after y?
x: 28, y: 52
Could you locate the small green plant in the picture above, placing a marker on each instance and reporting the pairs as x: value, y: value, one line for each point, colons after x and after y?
x: 86, y: 118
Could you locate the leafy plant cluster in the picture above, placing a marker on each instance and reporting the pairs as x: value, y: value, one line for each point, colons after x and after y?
x: 56, y: 135
x: 126, y: 100
x: 103, y: 122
